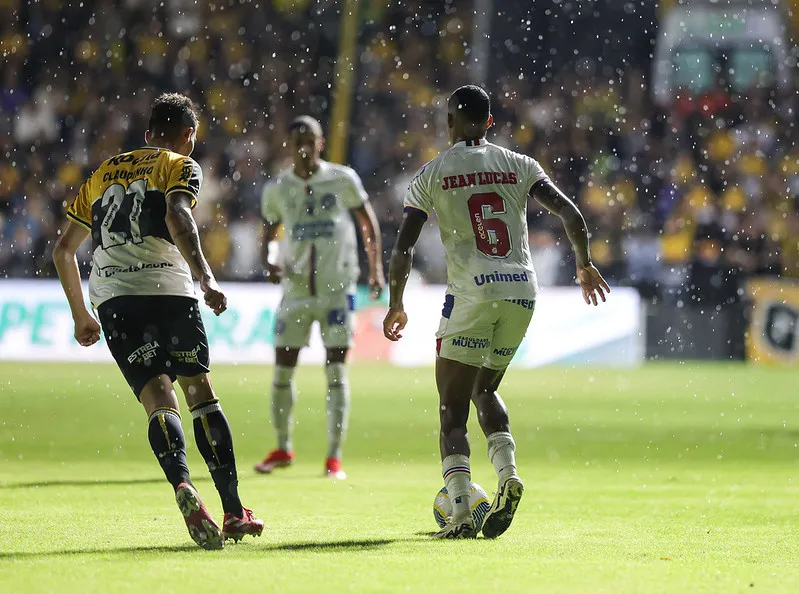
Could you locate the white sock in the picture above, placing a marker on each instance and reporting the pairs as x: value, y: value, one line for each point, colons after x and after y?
x: 283, y: 397
x: 457, y: 479
x: 337, y: 406
x: 501, y: 448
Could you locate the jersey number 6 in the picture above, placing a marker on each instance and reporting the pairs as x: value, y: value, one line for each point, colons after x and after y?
x: 491, y: 233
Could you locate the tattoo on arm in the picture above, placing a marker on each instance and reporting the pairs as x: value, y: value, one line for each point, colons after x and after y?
x: 556, y: 202
x: 183, y: 229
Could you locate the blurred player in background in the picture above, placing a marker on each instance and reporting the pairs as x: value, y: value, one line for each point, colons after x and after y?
x: 145, y: 247
x: 313, y: 201
x: 479, y: 192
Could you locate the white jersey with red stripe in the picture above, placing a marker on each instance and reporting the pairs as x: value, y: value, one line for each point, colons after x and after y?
x: 479, y: 192
x: 321, y: 247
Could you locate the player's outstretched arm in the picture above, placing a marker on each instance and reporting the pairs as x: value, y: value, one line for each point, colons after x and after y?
x: 87, y: 330
x: 556, y: 202
x: 273, y: 272
x: 373, y: 244
x: 398, y: 272
x: 183, y: 230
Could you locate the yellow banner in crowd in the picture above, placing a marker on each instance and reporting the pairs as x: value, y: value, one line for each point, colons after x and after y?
x: 773, y: 337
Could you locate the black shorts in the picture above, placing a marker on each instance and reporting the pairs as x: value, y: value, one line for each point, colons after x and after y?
x: 151, y: 335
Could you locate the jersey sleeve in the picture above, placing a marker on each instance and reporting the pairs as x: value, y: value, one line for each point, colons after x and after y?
x: 80, y: 211
x: 269, y: 205
x: 185, y: 175
x: 533, y: 172
x: 355, y: 196
x: 418, y: 198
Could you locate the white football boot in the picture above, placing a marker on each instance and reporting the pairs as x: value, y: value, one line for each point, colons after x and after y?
x: 462, y: 529
x: 500, y: 514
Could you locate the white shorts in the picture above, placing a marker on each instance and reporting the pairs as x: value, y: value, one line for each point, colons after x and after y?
x: 485, y: 334
x: 333, y: 312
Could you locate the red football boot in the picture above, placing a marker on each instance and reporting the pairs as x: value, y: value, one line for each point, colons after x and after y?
x: 333, y: 469
x: 275, y: 459
x: 238, y: 527
x: 202, y: 528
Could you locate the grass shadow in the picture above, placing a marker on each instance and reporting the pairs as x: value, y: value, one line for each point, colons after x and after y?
x: 134, y: 481
x: 332, y: 546
x: 328, y: 546
x: 92, y: 483
x: 112, y: 551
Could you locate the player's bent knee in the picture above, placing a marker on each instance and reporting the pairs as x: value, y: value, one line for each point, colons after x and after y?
x: 197, y: 389
x: 157, y: 393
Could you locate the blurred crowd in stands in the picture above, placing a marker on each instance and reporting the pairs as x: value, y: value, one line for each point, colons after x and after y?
x: 684, y: 203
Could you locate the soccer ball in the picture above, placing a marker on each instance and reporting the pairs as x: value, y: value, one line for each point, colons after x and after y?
x: 478, y: 502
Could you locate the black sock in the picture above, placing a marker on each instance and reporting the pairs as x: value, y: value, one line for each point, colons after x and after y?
x: 215, y: 442
x: 169, y: 445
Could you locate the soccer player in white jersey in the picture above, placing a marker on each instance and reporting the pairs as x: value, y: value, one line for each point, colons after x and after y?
x: 314, y: 200
x: 479, y: 192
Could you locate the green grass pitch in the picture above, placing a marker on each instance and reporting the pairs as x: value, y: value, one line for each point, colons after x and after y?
x: 668, y: 478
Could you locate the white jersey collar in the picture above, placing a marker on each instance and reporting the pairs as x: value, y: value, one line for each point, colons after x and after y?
x: 469, y: 143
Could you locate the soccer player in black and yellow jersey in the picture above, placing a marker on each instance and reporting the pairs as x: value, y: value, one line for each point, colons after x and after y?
x: 145, y: 248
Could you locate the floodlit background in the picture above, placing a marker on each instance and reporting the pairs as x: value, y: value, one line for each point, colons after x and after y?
x: 673, y: 125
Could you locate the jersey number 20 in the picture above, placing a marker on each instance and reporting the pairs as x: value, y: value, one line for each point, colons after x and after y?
x: 491, y: 233
x: 122, y: 209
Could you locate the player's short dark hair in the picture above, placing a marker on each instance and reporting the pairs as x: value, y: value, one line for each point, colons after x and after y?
x: 472, y: 103
x: 171, y: 114
x: 307, y: 122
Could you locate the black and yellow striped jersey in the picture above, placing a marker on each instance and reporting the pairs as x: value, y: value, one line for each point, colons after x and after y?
x: 123, y: 204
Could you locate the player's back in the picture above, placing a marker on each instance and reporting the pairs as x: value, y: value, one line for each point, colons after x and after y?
x: 123, y: 204
x: 479, y: 192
